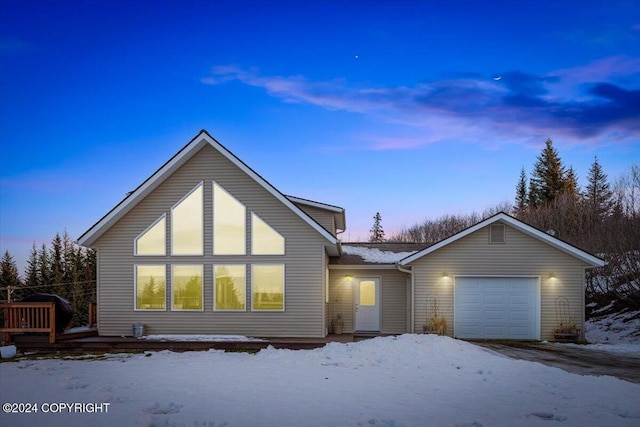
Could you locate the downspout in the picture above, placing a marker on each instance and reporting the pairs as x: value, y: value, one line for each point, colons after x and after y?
x: 410, y: 272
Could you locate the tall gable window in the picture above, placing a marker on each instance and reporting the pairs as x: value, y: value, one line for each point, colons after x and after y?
x: 186, y: 282
x: 264, y: 239
x: 152, y: 241
x: 187, y: 224
x: 230, y: 287
x: 497, y: 233
x: 150, y: 285
x: 229, y: 223
x: 267, y: 287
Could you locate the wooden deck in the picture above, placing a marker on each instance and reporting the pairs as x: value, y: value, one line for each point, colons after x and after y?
x: 89, y: 342
x: 28, y: 317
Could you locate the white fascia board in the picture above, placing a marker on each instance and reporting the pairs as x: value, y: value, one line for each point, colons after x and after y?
x: 519, y: 225
x: 91, y: 235
x: 315, y: 204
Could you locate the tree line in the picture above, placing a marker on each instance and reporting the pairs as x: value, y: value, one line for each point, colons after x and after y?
x: 603, y: 218
x: 63, y: 268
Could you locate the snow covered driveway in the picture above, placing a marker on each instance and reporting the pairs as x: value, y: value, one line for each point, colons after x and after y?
x: 410, y: 380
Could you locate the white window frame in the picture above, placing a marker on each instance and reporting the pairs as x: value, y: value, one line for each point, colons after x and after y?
x: 253, y: 236
x: 135, y: 286
x: 201, y: 291
x: 213, y: 225
x: 284, y: 287
x: 172, y: 236
x: 135, y: 240
x: 219, y: 310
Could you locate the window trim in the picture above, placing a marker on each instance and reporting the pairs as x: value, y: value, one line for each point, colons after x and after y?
x: 222, y: 310
x: 284, y: 287
x: 253, y: 237
x: 172, y: 236
x: 135, y: 287
x: 153, y: 224
x: 186, y: 264
x: 213, y: 220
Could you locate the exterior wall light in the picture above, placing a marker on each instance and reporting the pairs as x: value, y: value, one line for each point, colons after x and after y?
x: 445, y: 275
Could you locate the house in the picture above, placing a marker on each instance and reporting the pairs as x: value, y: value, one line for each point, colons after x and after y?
x: 207, y: 246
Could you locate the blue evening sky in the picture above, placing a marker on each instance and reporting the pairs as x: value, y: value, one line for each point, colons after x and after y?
x: 414, y: 109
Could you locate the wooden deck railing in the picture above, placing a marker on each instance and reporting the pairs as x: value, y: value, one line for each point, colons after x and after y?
x: 29, y: 317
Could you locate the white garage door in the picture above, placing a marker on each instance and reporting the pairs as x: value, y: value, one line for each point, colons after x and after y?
x: 497, y: 308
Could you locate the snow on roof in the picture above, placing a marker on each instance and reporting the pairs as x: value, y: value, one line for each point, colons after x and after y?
x: 375, y: 255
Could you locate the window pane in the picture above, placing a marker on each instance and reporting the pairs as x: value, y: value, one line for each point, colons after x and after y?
x: 267, y: 289
x: 150, y: 287
x: 230, y: 287
x: 265, y: 240
x: 367, y: 292
x: 187, y: 287
x: 186, y: 224
x: 229, y: 224
x: 152, y: 241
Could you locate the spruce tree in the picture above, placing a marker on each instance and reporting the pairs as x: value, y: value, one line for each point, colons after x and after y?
x: 56, y: 260
x: 598, y: 195
x: 9, y: 277
x: 521, y: 193
x: 548, y: 177
x: 377, y: 233
x: 32, y: 272
x: 570, y: 187
x: 45, y: 271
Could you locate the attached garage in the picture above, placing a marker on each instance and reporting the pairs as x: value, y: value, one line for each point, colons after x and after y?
x: 497, y: 308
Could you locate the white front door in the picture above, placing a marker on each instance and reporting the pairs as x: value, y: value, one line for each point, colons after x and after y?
x: 368, y: 304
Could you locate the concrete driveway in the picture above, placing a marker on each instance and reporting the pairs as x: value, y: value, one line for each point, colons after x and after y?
x: 571, y: 358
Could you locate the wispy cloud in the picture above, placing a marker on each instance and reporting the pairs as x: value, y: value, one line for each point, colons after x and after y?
x: 593, y: 103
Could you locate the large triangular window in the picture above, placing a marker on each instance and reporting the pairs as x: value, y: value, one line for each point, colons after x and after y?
x: 152, y: 241
x: 229, y: 223
x: 187, y: 224
x: 264, y: 239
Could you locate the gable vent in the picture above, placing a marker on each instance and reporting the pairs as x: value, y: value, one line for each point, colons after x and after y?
x: 497, y: 233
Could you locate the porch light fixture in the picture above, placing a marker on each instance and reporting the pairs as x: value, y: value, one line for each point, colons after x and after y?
x: 552, y: 276
x: 348, y: 278
x: 445, y: 275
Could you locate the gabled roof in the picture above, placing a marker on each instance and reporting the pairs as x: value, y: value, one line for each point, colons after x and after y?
x: 132, y: 199
x: 338, y: 212
x: 518, y: 225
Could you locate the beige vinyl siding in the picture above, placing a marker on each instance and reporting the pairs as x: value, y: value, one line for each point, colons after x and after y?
x: 393, y: 300
x: 321, y: 216
x: 521, y: 255
x: 304, y: 261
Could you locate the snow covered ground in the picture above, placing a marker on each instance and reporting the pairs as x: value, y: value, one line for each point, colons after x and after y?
x: 410, y: 380
x: 618, y: 332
